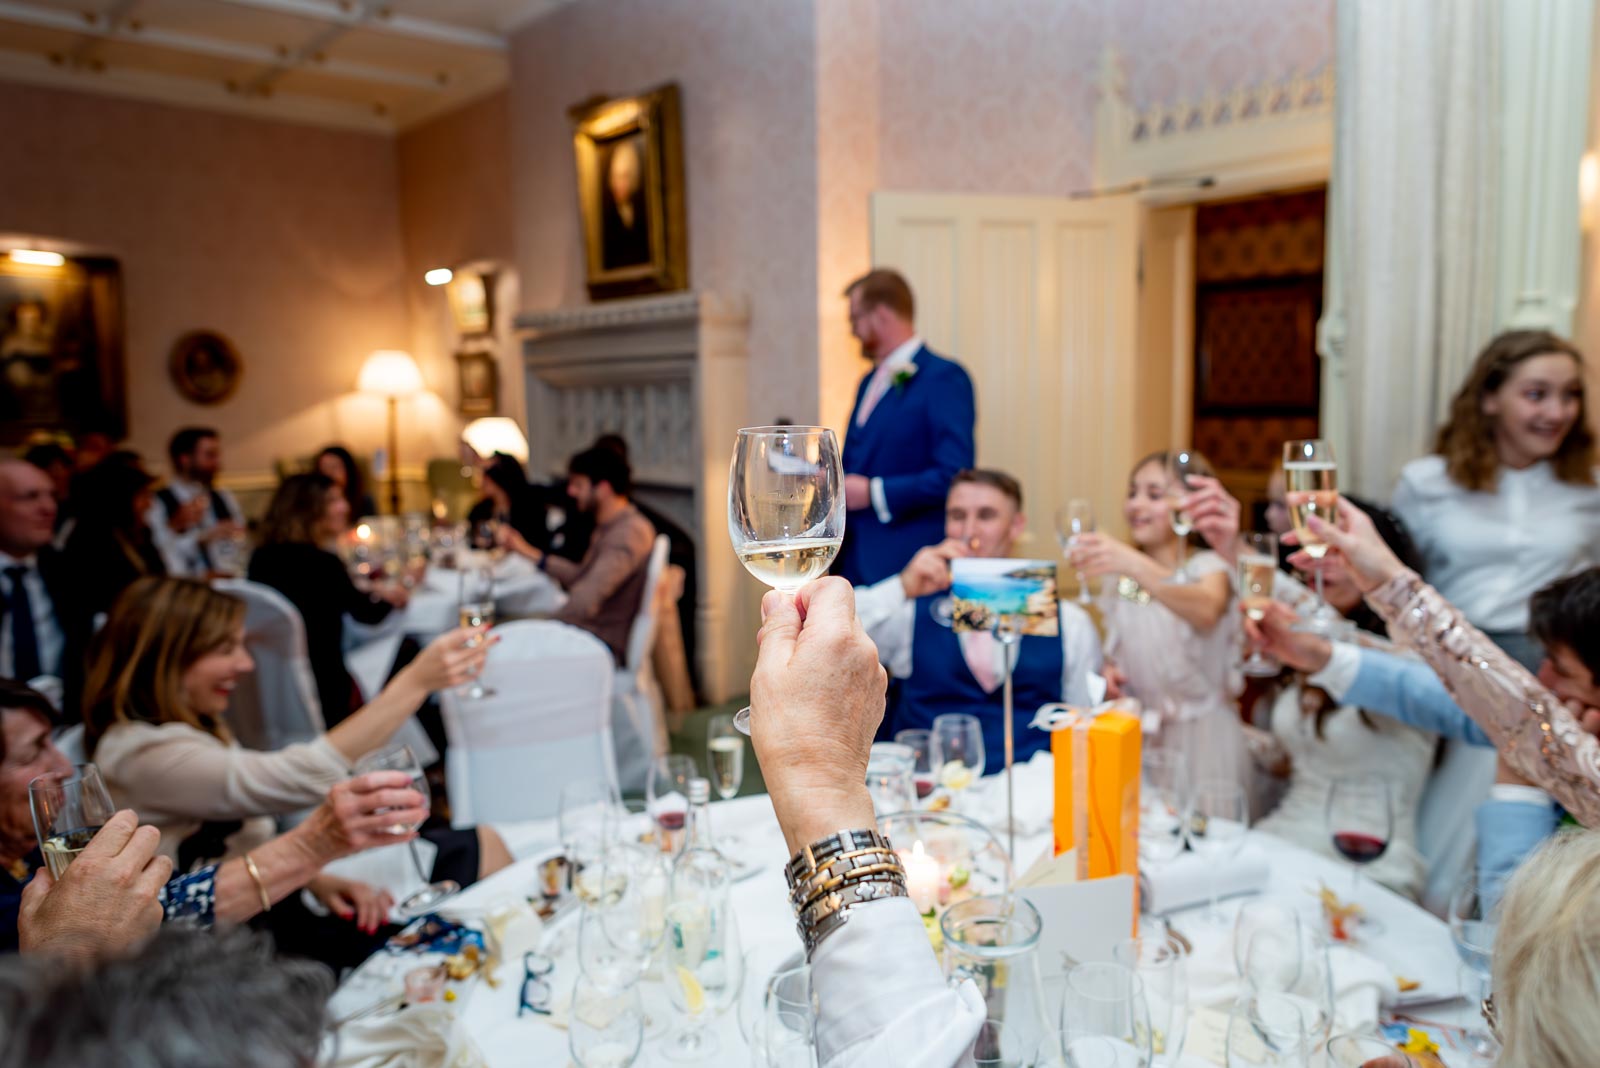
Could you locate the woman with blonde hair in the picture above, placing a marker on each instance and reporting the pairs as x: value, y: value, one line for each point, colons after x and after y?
x: 1172, y: 644
x: 1508, y: 502
x: 160, y: 676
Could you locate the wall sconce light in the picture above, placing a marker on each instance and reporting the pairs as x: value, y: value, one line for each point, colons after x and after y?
x: 1589, y: 192
x: 439, y: 276
x: 35, y: 258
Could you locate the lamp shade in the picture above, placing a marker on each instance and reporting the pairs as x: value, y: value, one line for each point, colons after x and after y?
x: 496, y: 433
x: 390, y: 373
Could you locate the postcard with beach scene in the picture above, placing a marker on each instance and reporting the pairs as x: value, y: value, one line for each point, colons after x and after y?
x: 982, y: 590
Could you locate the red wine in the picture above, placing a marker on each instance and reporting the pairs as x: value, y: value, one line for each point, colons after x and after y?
x: 1359, y: 848
x: 670, y: 821
x: 924, y: 788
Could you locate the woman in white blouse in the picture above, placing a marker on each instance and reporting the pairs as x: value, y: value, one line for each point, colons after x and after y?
x: 1508, y: 502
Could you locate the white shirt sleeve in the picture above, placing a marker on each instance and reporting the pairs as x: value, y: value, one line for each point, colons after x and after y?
x: 180, y: 552
x: 1339, y: 673
x: 881, y: 998
x: 880, y: 503
x: 886, y: 614
x: 1080, y: 655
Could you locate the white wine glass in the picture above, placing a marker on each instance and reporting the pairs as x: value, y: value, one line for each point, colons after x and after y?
x: 587, y: 815
x: 1258, y: 576
x: 959, y: 737
x: 1217, y: 830
x: 1311, y: 488
x: 1165, y: 804
x: 725, y: 753
x: 1182, y: 463
x: 1268, y: 1030
x: 1162, y: 964
x: 1073, y: 519
x: 786, y: 507
x: 475, y: 608
x: 1106, y: 1003
x: 68, y: 810
x: 402, y: 758
x: 606, y: 1025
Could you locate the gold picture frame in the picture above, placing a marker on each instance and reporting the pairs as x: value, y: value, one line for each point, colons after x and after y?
x: 205, y: 367
x: 629, y: 155
x: 478, y: 377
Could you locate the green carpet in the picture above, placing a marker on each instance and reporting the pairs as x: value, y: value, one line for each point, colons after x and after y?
x: 690, y: 740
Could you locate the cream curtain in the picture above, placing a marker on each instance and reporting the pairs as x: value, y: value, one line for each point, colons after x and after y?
x: 1413, y: 218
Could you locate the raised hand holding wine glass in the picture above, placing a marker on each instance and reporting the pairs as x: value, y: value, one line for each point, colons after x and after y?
x: 1073, y: 519
x: 402, y: 758
x: 1311, y: 481
x: 1182, y: 463
x: 786, y: 507
x: 1258, y: 573
x: 68, y: 810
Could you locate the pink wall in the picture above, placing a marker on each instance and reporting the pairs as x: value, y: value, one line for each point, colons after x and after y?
x: 282, y: 237
x: 747, y: 73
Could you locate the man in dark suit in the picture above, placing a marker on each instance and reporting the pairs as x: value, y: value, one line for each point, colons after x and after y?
x: 37, y: 633
x: 910, y: 432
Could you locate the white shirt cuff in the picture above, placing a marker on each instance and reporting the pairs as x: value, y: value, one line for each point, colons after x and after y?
x: 876, y: 603
x: 1519, y: 794
x: 879, y: 503
x: 1339, y: 673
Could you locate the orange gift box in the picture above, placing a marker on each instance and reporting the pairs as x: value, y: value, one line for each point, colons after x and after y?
x: 1098, y: 792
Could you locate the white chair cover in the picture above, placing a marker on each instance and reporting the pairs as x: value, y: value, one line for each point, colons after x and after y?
x: 638, y: 720
x: 546, y: 724
x: 1445, y: 830
x: 276, y: 704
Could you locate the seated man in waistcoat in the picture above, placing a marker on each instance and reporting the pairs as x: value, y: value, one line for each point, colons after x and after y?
x: 945, y: 671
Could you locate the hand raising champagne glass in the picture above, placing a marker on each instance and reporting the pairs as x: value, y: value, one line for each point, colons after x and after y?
x: 1072, y: 519
x: 1258, y: 572
x: 785, y: 507
x: 1311, y: 483
x: 1181, y: 463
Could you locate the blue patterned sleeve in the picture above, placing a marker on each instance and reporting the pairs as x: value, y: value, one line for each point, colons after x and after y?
x: 191, y: 897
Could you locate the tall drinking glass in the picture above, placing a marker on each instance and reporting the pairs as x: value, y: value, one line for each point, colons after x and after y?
x: 1074, y: 518
x: 402, y: 758
x: 785, y: 507
x: 68, y: 810
x: 1181, y: 463
x: 1162, y: 965
x: 1106, y: 1003
x: 1311, y: 481
x: 959, y: 737
x: 1258, y: 575
x: 475, y: 608
x: 1217, y: 829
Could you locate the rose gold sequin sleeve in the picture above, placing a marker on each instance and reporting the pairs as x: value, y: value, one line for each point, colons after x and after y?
x: 1531, y: 728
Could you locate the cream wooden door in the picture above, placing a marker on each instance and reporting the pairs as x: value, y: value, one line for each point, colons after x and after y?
x: 1038, y: 298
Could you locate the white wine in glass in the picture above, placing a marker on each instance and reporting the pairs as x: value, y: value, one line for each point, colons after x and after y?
x: 475, y: 608
x: 68, y: 811
x: 1311, y: 488
x: 1258, y: 575
x: 785, y: 507
x: 725, y: 748
x: 1074, y: 518
x: 1181, y: 464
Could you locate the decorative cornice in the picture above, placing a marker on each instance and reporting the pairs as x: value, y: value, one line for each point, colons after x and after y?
x: 671, y: 309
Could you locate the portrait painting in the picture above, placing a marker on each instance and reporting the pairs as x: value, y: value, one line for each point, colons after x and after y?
x: 61, y: 359
x: 479, y: 380
x: 630, y: 191
x: 205, y: 367
x: 472, y: 302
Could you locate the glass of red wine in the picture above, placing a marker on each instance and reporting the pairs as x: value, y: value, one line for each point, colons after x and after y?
x: 926, y: 759
x: 666, y: 794
x: 1361, y: 823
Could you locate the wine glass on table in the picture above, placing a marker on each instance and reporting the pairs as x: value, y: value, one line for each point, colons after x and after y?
x: 1217, y: 830
x: 1181, y: 463
x: 475, y: 607
x: 1075, y: 518
x: 606, y: 1027
x: 1360, y: 818
x: 1104, y: 1009
x: 1258, y: 575
x: 959, y: 738
x: 402, y: 758
x: 1474, y: 921
x: 587, y: 816
x: 704, y: 962
x: 68, y: 810
x: 725, y: 755
x: 1271, y: 1030
x: 785, y: 508
x: 1162, y: 964
x: 1311, y: 488
x: 925, y: 759
x: 1165, y: 805
x: 666, y: 793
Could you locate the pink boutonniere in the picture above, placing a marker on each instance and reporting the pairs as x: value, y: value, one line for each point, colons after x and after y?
x: 903, y: 375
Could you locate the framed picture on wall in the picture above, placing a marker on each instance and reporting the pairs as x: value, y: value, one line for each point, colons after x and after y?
x: 61, y: 358
x: 630, y: 191
x: 479, y: 380
x: 472, y: 302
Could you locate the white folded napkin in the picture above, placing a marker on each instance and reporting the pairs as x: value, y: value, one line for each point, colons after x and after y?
x: 421, y: 1036
x: 1035, y: 797
x: 1187, y: 881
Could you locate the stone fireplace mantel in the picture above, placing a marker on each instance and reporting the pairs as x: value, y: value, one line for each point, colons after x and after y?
x: 668, y: 373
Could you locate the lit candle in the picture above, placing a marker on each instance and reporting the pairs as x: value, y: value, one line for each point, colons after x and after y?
x: 363, y: 532
x: 922, y: 877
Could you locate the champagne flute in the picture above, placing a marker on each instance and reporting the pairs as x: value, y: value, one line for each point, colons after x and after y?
x: 402, y: 758
x: 1258, y: 574
x: 68, y: 810
x: 959, y: 737
x: 1311, y: 481
x: 725, y: 751
x: 1072, y: 519
x: 476, y: 609
x: 1180, y: 465
x: 785, y: 507
x: 1217, y: 829
x: 1360, y: 818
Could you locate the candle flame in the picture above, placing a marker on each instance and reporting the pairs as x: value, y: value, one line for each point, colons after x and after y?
x: 916, y: 848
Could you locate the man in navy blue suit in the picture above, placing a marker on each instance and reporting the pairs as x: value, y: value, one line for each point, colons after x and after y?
x: 909, y: 434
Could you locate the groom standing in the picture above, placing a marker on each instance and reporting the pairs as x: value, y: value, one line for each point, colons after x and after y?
x: 909, y: 434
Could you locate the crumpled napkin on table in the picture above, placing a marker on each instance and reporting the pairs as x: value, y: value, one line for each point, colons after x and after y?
x: 421, y: 1036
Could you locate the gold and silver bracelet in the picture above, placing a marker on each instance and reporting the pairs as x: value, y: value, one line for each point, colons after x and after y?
x: 830, y: 876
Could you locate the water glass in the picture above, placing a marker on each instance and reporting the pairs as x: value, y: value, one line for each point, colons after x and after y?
x: 1267, y: 937
x: 606, y: 1029
x: 1162, y: 965
x: 891, y: 778
x: 586, y: 818
x: 68, y: 811
x: 1107, y: 1002
x: 959, y: 737
x: 1165, y: 804
x: 1217, y: 829
x: 1270, y: 1031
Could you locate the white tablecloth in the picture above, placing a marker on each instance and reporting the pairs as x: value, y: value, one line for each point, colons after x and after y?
x: 1417, y: 944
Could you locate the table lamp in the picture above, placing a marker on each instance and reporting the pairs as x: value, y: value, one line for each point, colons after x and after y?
x: 496, y: 433
x: 391, y: 374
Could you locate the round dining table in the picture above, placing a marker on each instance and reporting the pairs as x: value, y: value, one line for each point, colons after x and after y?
x: 1415, y: 943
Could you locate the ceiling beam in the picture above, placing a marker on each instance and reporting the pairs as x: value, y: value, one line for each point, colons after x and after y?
x: 380, y: 18
x: 93, y: 25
